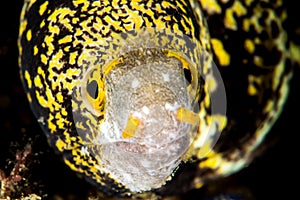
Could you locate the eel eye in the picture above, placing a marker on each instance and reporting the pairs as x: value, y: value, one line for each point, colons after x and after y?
x: 92, y: 89
x: 187, y: 75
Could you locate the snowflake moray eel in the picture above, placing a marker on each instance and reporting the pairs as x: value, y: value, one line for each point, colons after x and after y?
x: 130, y: 93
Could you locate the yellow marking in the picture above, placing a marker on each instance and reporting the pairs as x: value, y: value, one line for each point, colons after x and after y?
x: 51, y: 125
x: 115, y: 4
x: 92, y: 122
x: 188, y: 116
x: 221, y: 120
x: 88, y: 40
x: 60, y: 145
x: 72, y: 166
x: 74, y: 105
x: 98, y: 24
x: 28, y: 79
x: 181, y: 7
x: 64, y: 112
x: 53, y: 16
x: 41, y: 99
x: 223, y: 56
x: 258, y: 61
x: 157, y: 7
x: 238, y: 8
x: 62, y: 77
x: 93, y: 10
x: 84, y: 2
x: 211, y: 6
x: 44, y: 59
x: 134, y: 17
x: 42, y: 24
x: 213, y: 161
x: 204, y: 150
x: 35, y: 50
x: 109, y: 20
x: 107, y: 68
x: 43, y: 7
x: 229, y: 20
x: 98, y: 103
x: 211, y: 83
x: 78, y: 2
x: 165, y: 4
x: 23, y: 26
x: 55, y: 63
x: 252, y: 90
x: 38, y: 82
x: 31, y: 2
x: 75, y: 20
x: 80, y: 125
x: 248, y: 2
x: 20, y: 52
x: 60, y: 121
x: 129, y: 26
x: 78, y: 32
x: 199, y: 185
x: 107, y: 9
x: 279, y: 71
x: 257, y: 40
x: 207, y: 98
x: 66, y: 39
x: 247, y: 23
x: 194, y: 72
x: 41, y: 72
x: 186, y: 29
x: 28, y: 35
x: 176, y: 28
x: 131, y: 127
x: 48, y: 40
x: 252, y: 80
x: 60, y: 15
x: 73, y: 57
x: 67, y: 48
x: 29, y: 97
x: 53, y: 30
x: 295, y: 52
x: 66, y: 23
x: 249, y: 45
x: 60, y: 97
x: 167, y: 18
x: 137, y: 6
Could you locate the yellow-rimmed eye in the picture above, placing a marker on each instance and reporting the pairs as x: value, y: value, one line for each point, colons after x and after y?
x: 95, y: 95
x: 190, y: 73
x: 187, y: 75
x: 92, y: 89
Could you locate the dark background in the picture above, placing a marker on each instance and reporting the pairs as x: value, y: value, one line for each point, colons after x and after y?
x: 273, y: 175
